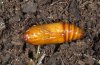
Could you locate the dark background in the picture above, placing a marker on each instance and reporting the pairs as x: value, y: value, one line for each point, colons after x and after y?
x: 16, y: 16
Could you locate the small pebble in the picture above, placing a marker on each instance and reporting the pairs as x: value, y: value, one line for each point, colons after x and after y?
x: 29, y: 7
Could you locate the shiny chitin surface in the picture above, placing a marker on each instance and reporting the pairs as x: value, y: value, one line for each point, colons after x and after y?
x: 52, y: 33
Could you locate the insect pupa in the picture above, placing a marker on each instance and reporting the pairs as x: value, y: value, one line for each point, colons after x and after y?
x: 52, y: 33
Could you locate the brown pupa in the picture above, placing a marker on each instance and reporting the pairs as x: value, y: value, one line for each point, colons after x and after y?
x: 52, y: 33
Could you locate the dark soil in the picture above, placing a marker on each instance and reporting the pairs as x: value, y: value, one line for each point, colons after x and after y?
x: 16, y: 16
